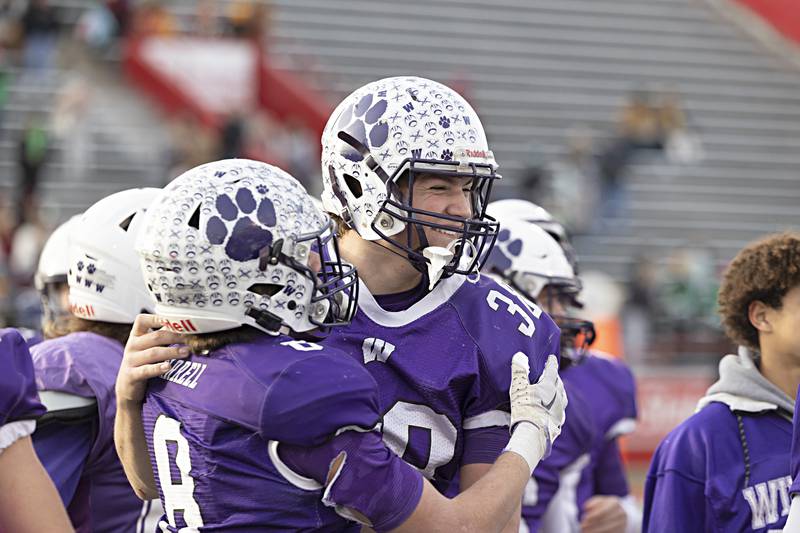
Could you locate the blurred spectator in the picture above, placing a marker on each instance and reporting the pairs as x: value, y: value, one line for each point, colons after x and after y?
x: 681, y: 144
x: 40, y: 32
x: 638, y: 128
x: 206, y: 19
x: 8, y: 223
x: 640, y: 309
x: 574, y: 182
x: 71, y: 127
x: 121, y: 9
x: 10, y: 26
x: 191, y: 144
x: 97, y: 27
x: 300, y: 153
x: 646, y: 122
x: 232, y: 137
x: 249, y: 20
x: 27, y: 244
x: 153, y: 18
x: 5, y: 84
x: 535, y: 175
x: 688, y: 290
x: 32, y: 153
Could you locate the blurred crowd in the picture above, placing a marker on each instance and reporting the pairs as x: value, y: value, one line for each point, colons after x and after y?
x: 586, y: 187
x: 46, y: 40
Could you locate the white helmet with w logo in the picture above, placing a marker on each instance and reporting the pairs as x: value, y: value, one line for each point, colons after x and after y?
x: 237, y: 242
x: 386, y: 133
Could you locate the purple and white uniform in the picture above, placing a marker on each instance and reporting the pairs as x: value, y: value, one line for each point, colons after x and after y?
x: 81, y: 458
x: 549, y: 501
x: 244, y: 439
x: 725, y: 468
x: 610, y: 386
x: 19, y: 401
x: 443, y: 369
x: 794, y: 490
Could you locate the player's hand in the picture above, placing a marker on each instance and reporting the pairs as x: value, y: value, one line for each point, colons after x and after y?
x: 603, y: 514
x: 537, y: 410
x: 543, y: 404
x: 147, y: 355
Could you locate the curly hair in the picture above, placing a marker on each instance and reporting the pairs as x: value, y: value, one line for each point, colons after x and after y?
x: 764, y: 271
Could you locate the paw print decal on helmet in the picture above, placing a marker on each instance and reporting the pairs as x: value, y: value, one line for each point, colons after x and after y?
x: 363, y: 123
x: 247, y: 237
x: 505, y: 251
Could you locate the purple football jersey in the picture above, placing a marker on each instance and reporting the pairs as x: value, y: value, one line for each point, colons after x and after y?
x: 609, y: 386
x: 795, y: 488
x: 18, y: 396
x: 720, y: 472
x: 86, y: 364
x: 555, y: 480
x: 443, y: 368
x: 214, y: 425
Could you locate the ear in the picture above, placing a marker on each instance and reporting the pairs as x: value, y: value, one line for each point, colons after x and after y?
x: 759, y: 316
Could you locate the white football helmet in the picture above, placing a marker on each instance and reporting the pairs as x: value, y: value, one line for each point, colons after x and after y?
x: 531, y: 212
x: 105, y: 283
x: 390, y: 131
x: 234, y: 243
x: 532, y: 262
x: 51, y: 273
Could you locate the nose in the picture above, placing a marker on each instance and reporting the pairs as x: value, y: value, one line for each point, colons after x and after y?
x: 459, y: 204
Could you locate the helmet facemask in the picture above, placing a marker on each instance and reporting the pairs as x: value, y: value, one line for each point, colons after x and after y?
x: 559, y: 299
x: 375, y: 146
x: 472, y: 237
x: 238, y: 242
x: 54, y: 295
x: 334, y: 283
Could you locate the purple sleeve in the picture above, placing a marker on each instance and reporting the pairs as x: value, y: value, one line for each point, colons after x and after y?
x: 673, y: 500
x: 795, y: 488
x: 372, y: 480
x: 336, y: 393
x: 610, y: 478
x: 63, y: 450
x: 19, y: 399
x: 484, y: 445
x: 502, y: 324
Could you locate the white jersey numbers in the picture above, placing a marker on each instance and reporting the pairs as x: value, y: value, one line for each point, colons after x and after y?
x: 420, y: 436
x: 527, y: 327
x: 178, y: 496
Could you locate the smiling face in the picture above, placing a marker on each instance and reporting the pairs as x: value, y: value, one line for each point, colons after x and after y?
x: 448, y: 196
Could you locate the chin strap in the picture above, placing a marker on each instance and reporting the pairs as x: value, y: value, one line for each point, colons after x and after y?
x: 438, y: 258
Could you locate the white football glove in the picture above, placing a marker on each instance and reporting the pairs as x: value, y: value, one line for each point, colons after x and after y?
x: 537, y: 410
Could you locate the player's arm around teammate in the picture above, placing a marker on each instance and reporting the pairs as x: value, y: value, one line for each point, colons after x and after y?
x: 486, y: 506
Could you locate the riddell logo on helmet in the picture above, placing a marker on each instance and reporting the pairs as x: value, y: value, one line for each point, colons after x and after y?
x: 180, y: 326
x: 477, y: 153
x: 83, y: 311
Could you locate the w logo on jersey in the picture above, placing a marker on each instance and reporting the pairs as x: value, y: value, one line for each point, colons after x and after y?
x: 763, y: 499
x: 376, y: 350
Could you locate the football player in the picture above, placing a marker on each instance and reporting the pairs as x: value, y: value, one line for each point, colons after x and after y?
x: 257, y: 428
x: 407, y: 173
x: 51, y: 281
x: 570, y: 488
x: 29, y: 502
x: 75, y: 373
x: 727, y: 467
